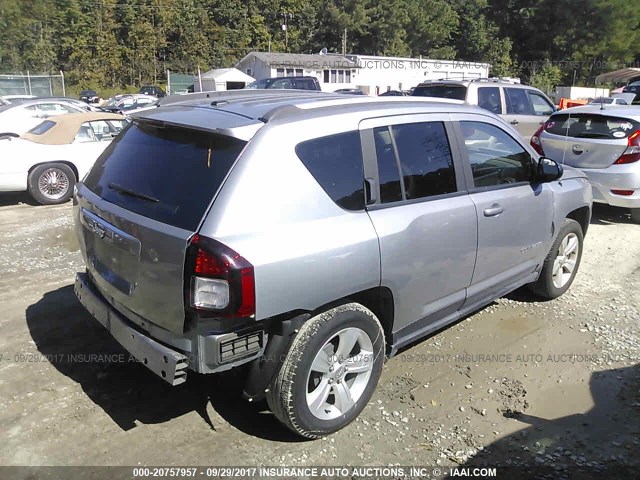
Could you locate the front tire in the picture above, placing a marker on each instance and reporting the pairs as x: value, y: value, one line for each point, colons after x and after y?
x: 330, y: 371
x: 51, y: 183
x: 561, y: 265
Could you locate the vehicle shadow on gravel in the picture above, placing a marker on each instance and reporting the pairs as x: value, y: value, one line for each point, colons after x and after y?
x: 8, y: 199
x: 579, y: 445
x: 606, y: 215
x: 81, y: 349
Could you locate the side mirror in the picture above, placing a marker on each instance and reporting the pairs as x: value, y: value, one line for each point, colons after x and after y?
x: 548, y: 170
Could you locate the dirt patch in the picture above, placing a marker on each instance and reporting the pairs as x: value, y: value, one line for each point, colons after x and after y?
x: 513, y: 396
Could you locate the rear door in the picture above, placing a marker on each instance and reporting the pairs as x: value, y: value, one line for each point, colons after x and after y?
x: 515, y: 217
x: 424, y: 218
x: 586, y: 140
x: 140, y: 203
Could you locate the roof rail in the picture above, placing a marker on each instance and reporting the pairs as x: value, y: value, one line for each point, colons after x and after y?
x: 279, y: 112
x: 492, y: 80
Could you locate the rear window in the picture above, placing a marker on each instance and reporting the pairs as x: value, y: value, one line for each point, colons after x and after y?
x: 336, y: 164
x: 42, y: 128
x: 454, y: 92
x: 166, y: 174
x: 582, y: 125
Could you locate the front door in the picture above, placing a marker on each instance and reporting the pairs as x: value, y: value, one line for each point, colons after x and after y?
x: 526, y: 110
x: 515, y: 217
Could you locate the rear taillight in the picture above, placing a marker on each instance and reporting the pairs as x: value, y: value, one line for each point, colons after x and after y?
x: 626, y: 193
x: 632, y: 153
x: 220, y: 280
x: 535, y: 140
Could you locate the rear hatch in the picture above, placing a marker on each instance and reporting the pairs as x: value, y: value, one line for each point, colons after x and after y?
x: 143, y: 200
x: 587, y: 140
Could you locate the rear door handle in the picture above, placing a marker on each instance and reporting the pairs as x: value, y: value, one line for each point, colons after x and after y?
x: 493, y: 210
x: 514, y: 122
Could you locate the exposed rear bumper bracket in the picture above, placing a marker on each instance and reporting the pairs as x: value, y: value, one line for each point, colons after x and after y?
x: 165, y: 362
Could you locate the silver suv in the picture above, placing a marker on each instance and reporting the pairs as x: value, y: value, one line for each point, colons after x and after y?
x: 309, y: 235
x: 524, y: 107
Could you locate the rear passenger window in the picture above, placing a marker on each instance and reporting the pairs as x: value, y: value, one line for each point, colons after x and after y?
x: 489, y: 99
x: 495, y: 157
x: 336, y: 164
x: 390, y: 190
x: 425, y: 159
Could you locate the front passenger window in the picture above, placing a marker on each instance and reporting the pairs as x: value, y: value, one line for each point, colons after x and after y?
x: 540, y: 104
x: 495, y: 157
x: 518, y: 102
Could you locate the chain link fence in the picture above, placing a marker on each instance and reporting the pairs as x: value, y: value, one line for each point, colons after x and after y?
x: 37, y: 85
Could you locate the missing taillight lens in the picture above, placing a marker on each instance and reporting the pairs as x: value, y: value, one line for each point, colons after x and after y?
x: 219, y: 280
x: 535, y: 140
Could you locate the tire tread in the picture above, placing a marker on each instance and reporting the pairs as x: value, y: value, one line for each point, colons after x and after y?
x: 280, y: 394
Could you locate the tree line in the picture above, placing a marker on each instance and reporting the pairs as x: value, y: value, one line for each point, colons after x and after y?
x: 119, y: 43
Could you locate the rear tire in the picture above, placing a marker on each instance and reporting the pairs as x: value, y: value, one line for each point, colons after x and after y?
x: 51, y: 183
x: 561, y: 265
x: 330, y: 372
x: 635, y: 215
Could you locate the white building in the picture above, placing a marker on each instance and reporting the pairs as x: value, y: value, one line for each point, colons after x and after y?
x: 372, y: 74
x: 333, y: 71
x: 377, y: 75
x: 221, y: 79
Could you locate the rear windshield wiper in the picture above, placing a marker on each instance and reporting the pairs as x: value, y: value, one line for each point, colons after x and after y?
x: 126, y: 191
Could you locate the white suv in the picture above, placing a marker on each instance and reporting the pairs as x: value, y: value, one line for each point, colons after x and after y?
x: 524, y: 107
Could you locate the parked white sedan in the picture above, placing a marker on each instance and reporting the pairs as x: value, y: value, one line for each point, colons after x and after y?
x: 18, y: 118
x: 49, y: 159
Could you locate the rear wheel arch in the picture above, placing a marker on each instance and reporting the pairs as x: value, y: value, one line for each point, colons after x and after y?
x: 378, y: 299
x: 581, y: 215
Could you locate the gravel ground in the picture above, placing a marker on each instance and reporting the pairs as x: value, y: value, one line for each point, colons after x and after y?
x: 518, y: 383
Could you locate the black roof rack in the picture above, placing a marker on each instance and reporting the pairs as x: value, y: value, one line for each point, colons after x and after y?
x: 492, y: 80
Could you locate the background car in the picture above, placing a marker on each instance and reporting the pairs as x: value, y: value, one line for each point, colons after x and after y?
x: 524, y: 107
x: 297, y: 83
x: 152, y: 90
x: 604, y: 144
x: 611, y: 101
x: 16, y: 119
x: 89, y: 96
x: 49, y: 159
x: 127, y: 103
x: 16, y: 98
x: 73, y: 101
x: 392, y: 93
x: 350, y: 91
x: 633, y: 87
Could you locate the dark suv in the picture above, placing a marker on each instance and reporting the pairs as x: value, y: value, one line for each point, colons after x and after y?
x: 89, y: 96
x: 296, y: 83
x: 152, y: 90
x: 633, y: 87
